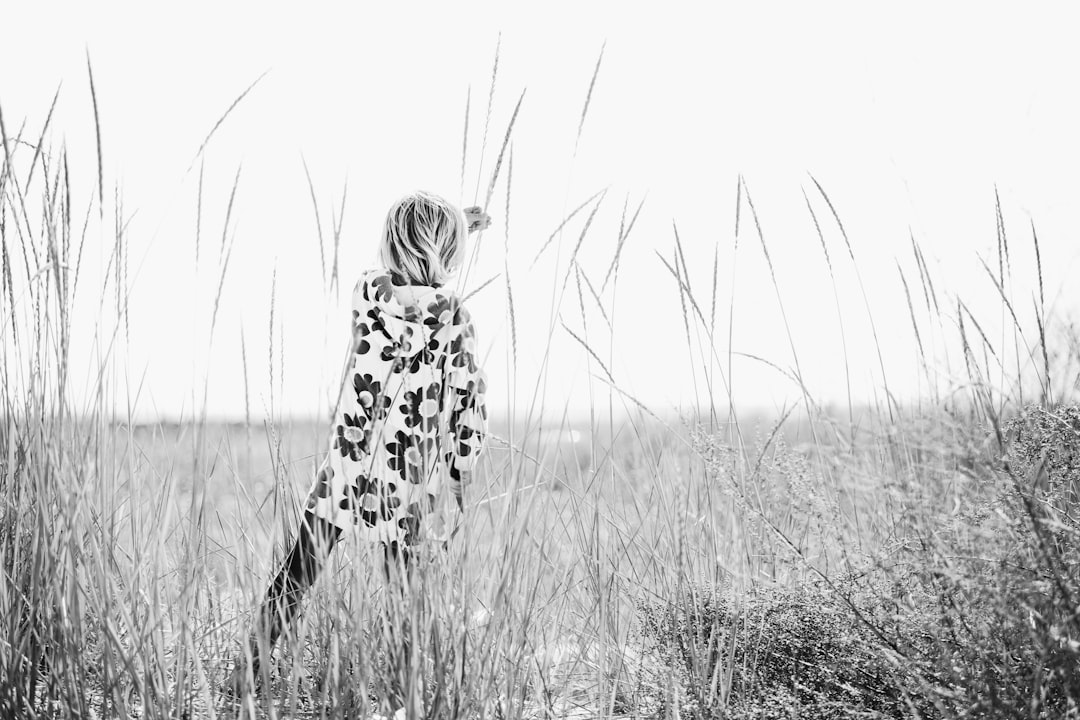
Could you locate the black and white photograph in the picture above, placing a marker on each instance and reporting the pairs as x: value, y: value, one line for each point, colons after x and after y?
x: 563, y: 360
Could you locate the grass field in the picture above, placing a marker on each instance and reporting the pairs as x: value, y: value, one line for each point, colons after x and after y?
x: 893, y: 560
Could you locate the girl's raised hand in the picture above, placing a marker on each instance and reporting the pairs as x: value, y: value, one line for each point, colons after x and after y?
x: 476, y: 219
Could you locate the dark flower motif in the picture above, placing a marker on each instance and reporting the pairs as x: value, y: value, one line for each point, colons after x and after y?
x: 399, y: 349
x: 370, y: 396
x: 426, y: 356
x: 440, y: 313
x: 360, y: 333
x: 467, y: 396
x: 464, y: 434
x: 421, y: 408
x: 445, y: 311
x: 384, y: 288
x: 406, y: 341
x: 409, y: 455
x: 370, y: 500
x: 376, y: 320
x: 352, y: 438
x: 391, y: 351
x: 461, y: 351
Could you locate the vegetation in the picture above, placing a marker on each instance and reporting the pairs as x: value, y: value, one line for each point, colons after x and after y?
x: 903, y: 560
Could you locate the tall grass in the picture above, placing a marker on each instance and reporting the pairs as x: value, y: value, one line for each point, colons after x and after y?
x: 900, y: 560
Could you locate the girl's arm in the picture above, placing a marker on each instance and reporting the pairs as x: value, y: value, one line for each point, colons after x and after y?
x: 359, y: 330
x: 468, y: 416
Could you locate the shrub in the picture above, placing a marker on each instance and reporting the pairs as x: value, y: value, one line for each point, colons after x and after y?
x: 776, y: 653
x: 967, y: 611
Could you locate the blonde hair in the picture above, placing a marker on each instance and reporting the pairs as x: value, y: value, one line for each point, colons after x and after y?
x: 423, y: 238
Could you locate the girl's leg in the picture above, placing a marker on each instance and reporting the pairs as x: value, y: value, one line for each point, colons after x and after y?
x: 398, y: 574
x: 396, y: 562
x: 299, y: 570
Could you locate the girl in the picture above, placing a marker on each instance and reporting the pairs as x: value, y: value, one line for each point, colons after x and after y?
x: 410, y: 415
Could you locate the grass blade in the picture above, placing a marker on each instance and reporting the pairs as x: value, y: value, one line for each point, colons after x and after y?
x: 97, y: 135
x: 588, y: 98
x: 220, y: 120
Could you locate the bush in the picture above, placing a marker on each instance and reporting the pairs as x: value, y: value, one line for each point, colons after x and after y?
x: 777, y: 653
x: 972, y: 611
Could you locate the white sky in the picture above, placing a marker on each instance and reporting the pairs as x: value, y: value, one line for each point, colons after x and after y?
x: 908, y: 116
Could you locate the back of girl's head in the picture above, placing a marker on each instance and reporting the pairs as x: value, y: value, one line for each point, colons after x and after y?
x: 423, y: 239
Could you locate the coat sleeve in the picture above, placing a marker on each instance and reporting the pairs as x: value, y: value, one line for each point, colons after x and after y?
x: 466, y: 387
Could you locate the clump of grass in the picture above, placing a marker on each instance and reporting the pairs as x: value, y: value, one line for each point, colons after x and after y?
x: 776, y: 652
x: 966, y: 606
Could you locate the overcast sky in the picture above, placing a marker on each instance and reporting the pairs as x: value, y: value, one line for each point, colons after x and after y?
x: 909, y: 117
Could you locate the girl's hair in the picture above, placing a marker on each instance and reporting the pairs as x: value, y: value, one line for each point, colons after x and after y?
x: 423, y: 239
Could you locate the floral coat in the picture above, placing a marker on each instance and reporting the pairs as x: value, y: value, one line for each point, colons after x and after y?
x: 411, y: 412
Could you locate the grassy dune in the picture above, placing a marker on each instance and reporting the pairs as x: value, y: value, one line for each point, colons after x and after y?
x: 915, y: 560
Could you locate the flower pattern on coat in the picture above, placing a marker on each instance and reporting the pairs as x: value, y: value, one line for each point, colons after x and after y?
x: 384, y: 287
x: 352, y: 438
x: 411, y: 455
x: 370, y: 396
x: 445, y: 311
x: 411, y: 414
x: 360, y: 333
x: 461, y: 352
x: 370, y: 500
x: 421, y: 407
